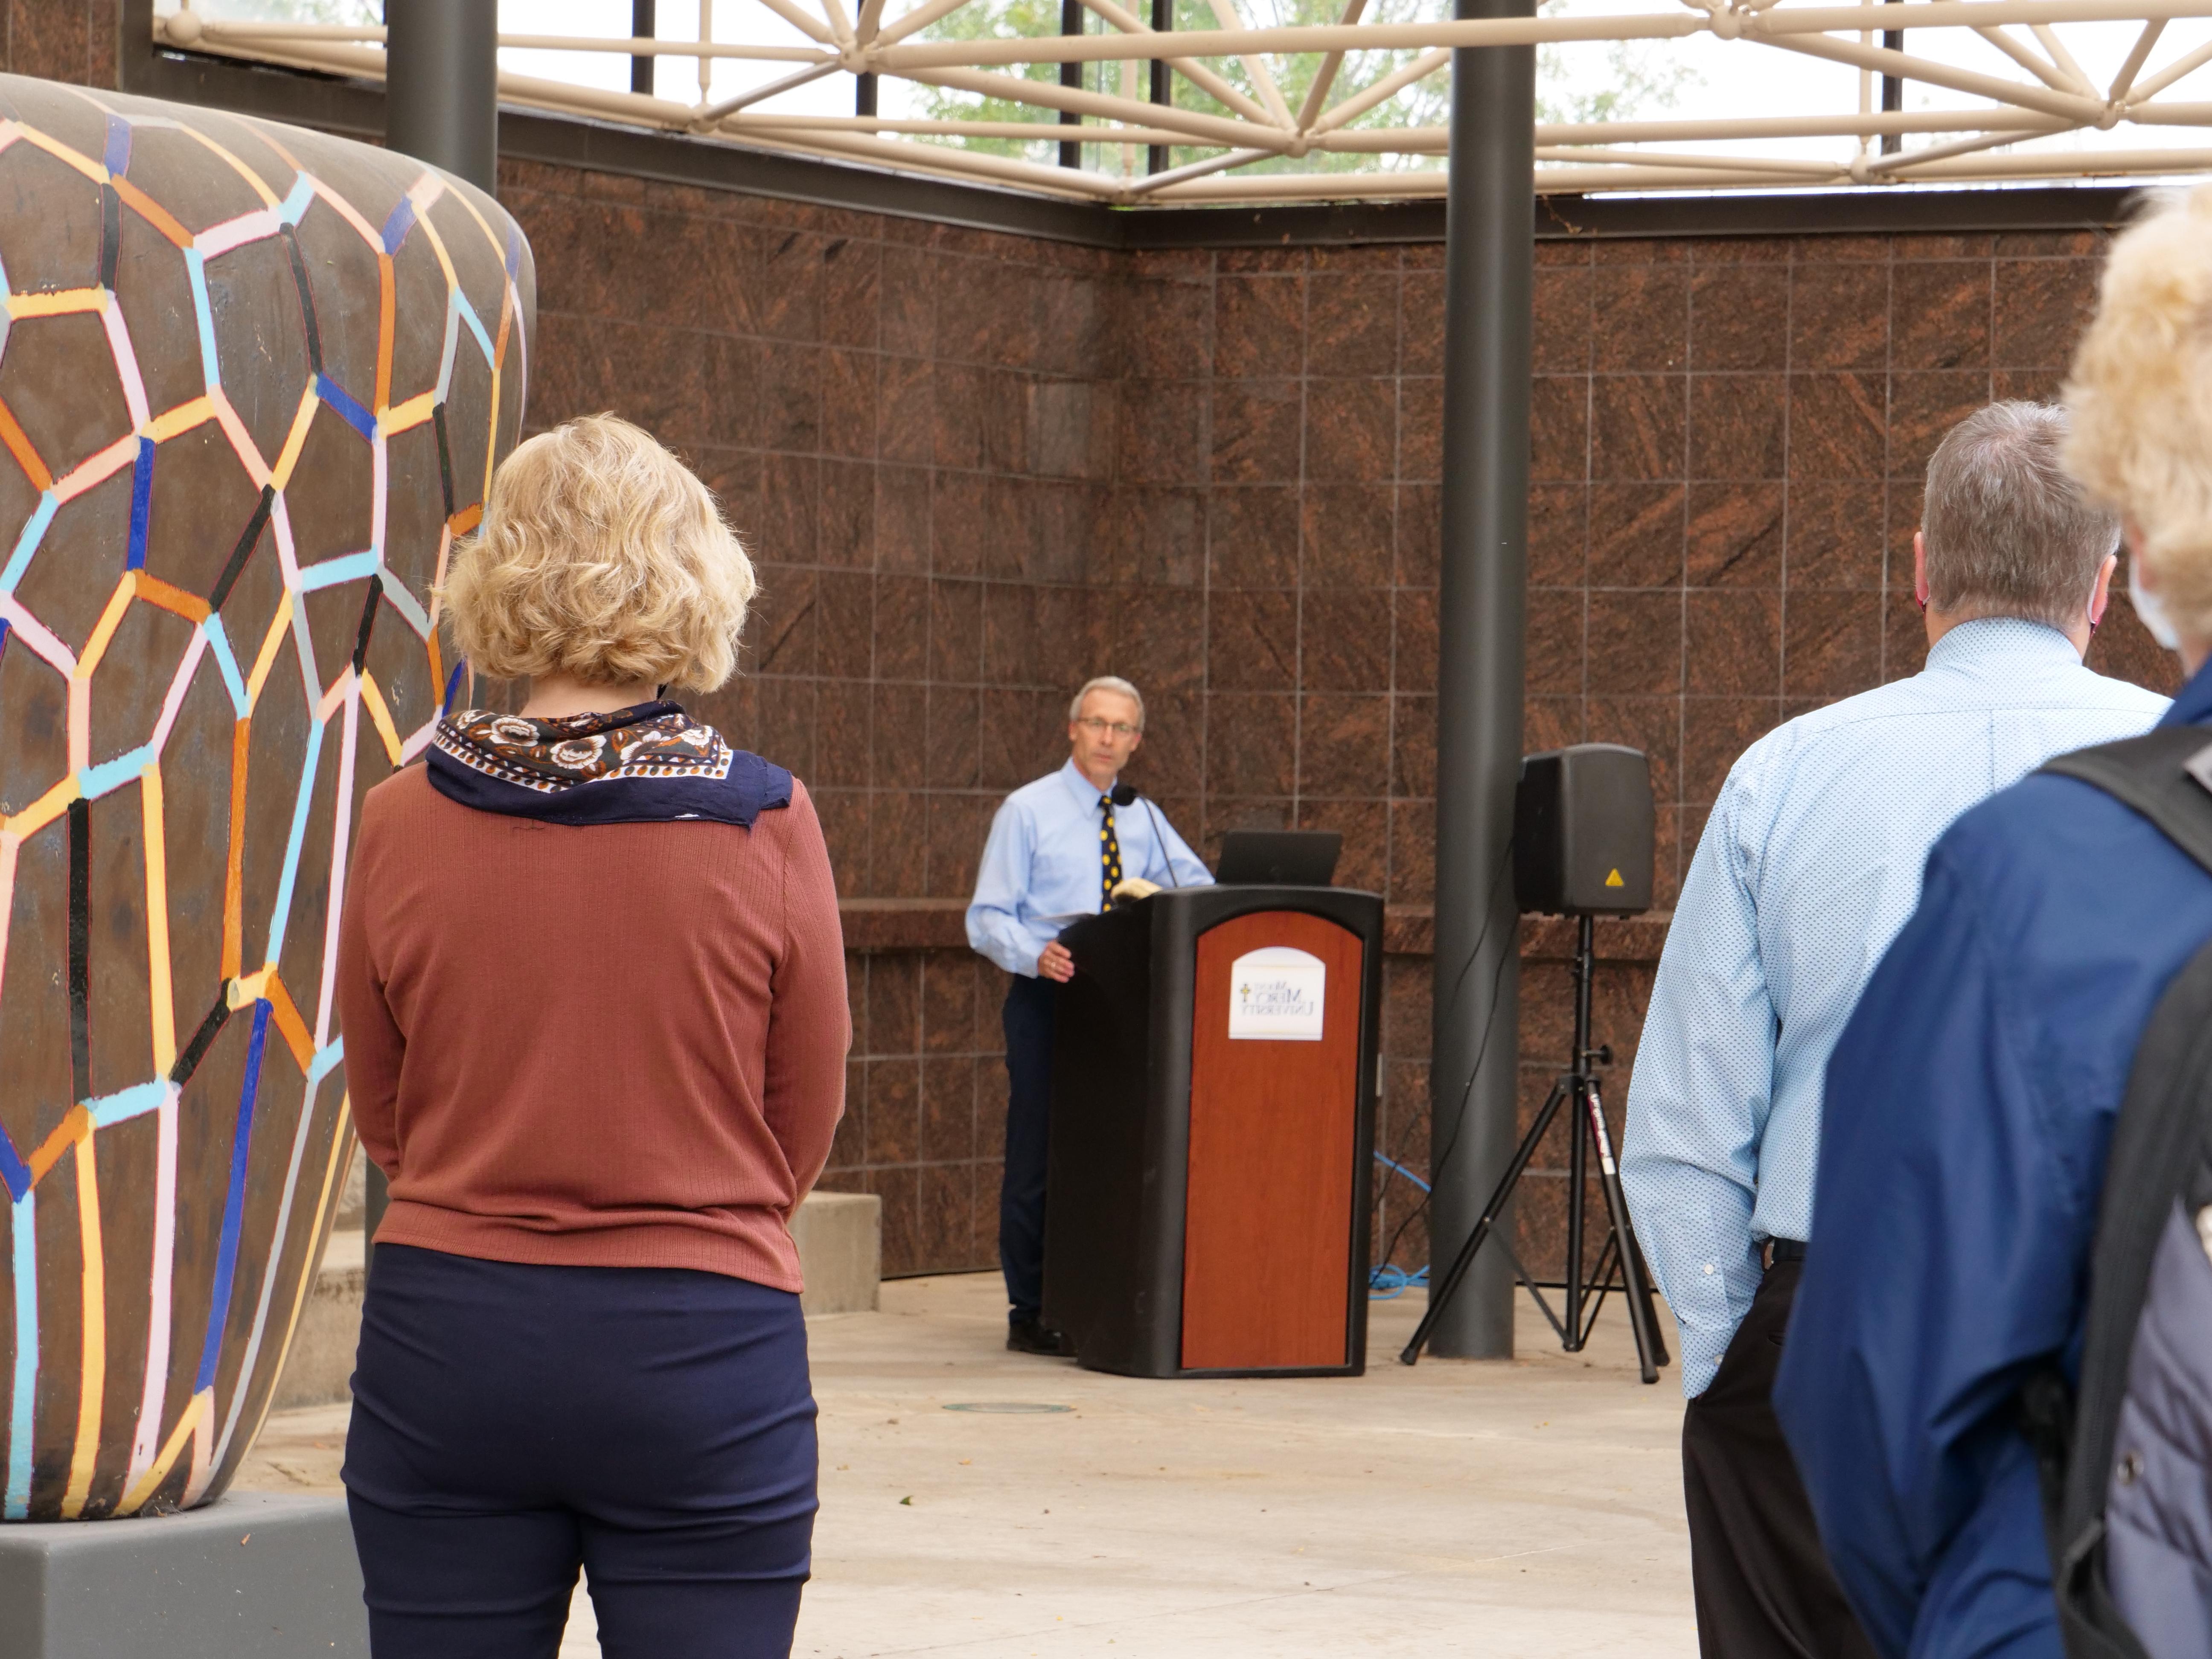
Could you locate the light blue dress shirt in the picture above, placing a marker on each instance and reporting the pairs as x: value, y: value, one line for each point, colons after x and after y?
x: 1809, y: 865
x: 1040, y: 870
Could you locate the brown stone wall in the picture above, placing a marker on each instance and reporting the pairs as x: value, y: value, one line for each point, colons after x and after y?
x: 977, y: 469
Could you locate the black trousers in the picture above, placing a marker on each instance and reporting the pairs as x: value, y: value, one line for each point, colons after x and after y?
x: 1764, y: 1587
x: 1029, y: 1014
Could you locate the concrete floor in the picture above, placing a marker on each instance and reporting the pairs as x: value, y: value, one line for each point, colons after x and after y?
x: 1532, y: 1507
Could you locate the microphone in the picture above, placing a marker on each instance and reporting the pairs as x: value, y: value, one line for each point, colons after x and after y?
x: 1125, y: 794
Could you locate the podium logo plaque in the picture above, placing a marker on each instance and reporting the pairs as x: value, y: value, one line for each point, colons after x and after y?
x: 1277, y: 995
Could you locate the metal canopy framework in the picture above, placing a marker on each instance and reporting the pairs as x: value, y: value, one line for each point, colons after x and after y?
x: 1224, y: 101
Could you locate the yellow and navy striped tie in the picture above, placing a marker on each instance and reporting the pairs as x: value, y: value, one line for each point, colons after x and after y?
x: 1110, y: 855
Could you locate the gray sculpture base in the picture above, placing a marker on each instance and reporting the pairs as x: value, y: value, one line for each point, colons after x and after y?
x: 257, y: 1576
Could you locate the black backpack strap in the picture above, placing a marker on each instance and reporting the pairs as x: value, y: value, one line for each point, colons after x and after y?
x: 2166, y: 776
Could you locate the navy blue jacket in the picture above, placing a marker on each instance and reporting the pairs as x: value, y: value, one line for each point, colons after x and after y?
x: 1969, y: 1105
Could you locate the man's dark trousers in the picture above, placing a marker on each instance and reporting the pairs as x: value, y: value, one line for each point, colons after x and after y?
x: 1029, y: 1013
x: 1764, y: 1587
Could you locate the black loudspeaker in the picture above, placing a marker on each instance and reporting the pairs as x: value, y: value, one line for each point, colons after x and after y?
x: 1582, y: 823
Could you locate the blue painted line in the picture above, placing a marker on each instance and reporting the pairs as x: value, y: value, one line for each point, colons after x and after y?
x: 117, y: 157
x: 296, y: 205
x: 204, y: 314
x: 326, y: 1060
x: 125, y: 1104
x: 3, y: 639
x: 396, y: 596
x: 469, y: 316
x: 34, y: 531
x: 340, y: 399
x: 23, y: 1254
x: 234, y: 1206
x: 282, y: 911
x: 141, y: 504
x: 452, y: 684
x: 397, y: 226
x: 514, y: 249
x: 112, y: 774
x: 13, y: 1169
x: 346, y: 568
x: 219, y: 642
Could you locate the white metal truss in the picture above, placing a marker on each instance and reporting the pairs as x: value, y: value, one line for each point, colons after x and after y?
x: 1246, y: 119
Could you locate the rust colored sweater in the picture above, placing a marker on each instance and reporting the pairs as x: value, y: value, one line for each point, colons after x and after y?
x: 621, y: 1045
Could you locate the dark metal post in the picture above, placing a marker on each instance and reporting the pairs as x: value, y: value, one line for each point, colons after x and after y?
x: 441, y: 106
x: 643, y: 26
x: 864, y: 94
x: 441, y: 85
x: 1155, y: 159
x: 1892, y: 89
x: 1071, y: 75
x: 1481, y: 602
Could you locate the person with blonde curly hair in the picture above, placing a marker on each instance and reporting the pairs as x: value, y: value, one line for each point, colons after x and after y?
x: 1973, y: 1098
x: 592, y: 990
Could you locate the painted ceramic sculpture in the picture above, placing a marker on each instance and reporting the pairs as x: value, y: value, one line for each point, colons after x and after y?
x: 251, y: 382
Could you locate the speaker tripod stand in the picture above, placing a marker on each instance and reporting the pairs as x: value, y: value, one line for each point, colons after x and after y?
x: 1619, y: 1265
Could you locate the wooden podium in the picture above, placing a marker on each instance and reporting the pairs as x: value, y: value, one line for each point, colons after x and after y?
x: 1213, y: 1122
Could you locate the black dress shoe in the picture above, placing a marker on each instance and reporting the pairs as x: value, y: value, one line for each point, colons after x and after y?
x: 1034, y: 1336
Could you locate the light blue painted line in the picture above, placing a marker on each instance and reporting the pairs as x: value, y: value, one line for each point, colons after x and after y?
x: 109, y: 774
x: 219, y: 642
x: 326, y: 1060
x: 204, y: 314
x: 469, y: 316
x: 282, y: 912
x: 348, y: 567
x: 295, y: 206
x: 34, y: 531
x: 126, y: 1103
x: 396, y: 596
x: 23, y: 1224
x: 450, y: 345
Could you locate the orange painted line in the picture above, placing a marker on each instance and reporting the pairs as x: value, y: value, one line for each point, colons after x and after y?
x: 242, y: 441
x: 93, y: 1293
x: 270, y: 644
x: 183, y: 418
x: 75, y: 1124
x: 152, y: 821
x: 233, y: 880
x: 59, y: 302
x: 152, y: 589
x: 152, y: 212
x: 387, y: 727
x: 466, y: 520
x: 404, y: 417
x: 296, y: 440
x: 188, y: 1427
x: 437, y: 658
x: 287, y: 1014
x: 19, y: 446
x: 386, y: 309
x: 65, y: 154
x: 253, y: 180
x: 103, y: 631
x: 45, y: 810
x: 97, y: 468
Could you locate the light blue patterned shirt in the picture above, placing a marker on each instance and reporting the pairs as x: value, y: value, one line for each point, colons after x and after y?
x: 1040, y: 869
x: 1809, y: 865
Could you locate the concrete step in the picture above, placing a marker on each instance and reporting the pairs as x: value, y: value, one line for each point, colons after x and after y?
x: 840, y: 1239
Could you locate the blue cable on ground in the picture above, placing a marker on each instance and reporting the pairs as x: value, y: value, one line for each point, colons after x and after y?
x: 1387, y: 1282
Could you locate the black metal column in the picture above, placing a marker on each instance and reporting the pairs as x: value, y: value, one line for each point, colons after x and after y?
x: 1071, y: 75
x: 1481, y: 604
x: 644, y: 25
x: 1163, y: 88
x: 441, y: 85
x: 441, y: 106
x: 1892, y: 89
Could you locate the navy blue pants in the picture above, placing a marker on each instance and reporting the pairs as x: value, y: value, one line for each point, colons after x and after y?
x: 1029, y: 1005
x: 654, y: 1425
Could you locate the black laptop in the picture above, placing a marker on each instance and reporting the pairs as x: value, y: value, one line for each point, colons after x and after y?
x: 1279, y: 857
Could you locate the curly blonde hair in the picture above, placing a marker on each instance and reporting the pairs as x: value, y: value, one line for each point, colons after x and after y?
x: 2141, y: 393
x: 601, y: 555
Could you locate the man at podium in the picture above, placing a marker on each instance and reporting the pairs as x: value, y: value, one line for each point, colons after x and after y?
x: 1057, y: 849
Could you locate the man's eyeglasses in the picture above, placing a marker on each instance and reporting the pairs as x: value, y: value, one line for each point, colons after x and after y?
x: 1098, y: 727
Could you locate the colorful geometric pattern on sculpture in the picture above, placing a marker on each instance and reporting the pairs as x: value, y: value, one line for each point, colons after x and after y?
x: 223, y: 1286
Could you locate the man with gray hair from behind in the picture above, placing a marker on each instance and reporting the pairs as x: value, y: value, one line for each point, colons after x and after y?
x: 1074, y: 843
x: 1809, y: 864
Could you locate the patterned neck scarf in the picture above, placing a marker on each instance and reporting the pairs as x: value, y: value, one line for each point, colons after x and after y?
x: 650, y: 763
